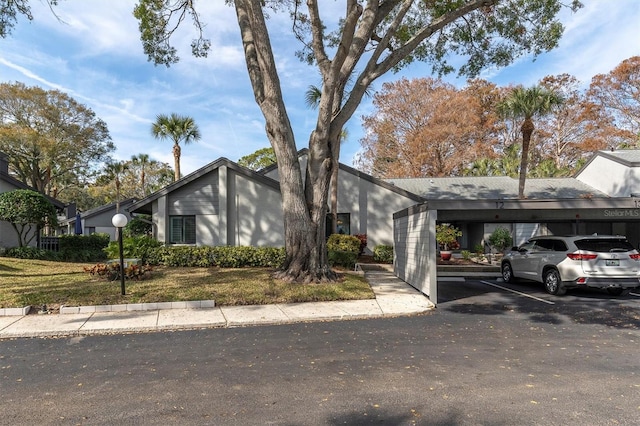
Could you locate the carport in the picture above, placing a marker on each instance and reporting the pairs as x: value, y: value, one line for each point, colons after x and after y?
x: 414, y: 228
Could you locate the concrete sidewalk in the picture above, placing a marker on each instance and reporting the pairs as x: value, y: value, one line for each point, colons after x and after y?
x: 393, y: 298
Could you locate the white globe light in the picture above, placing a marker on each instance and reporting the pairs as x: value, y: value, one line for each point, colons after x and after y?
x: 119, y: 220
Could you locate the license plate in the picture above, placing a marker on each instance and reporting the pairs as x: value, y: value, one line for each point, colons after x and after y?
x: 612, y: 262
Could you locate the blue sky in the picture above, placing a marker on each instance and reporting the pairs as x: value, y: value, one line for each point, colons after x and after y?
x: 93, y: 53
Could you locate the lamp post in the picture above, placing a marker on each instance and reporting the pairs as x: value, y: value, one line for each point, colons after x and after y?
x: 120, y: 221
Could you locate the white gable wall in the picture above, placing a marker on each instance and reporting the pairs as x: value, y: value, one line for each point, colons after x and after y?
x: 611, y: 177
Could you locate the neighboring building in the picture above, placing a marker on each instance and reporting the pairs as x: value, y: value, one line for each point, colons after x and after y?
x: 8, y: 236
x: 97, y: 220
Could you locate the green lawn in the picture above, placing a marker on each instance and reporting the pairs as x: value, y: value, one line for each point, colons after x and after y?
x: 38, y: 282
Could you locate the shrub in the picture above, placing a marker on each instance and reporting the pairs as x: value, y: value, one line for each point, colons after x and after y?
x: 83, y: 248
x: 222, y: 256
x: 139, y: 226
x: 340, y: 242
x: 363, y: 241
x: 137, y: 247
x: 478, y: 249
x: 346, y: 259
x: 109, y: 271
x: 383, y: 254
x: 500, y: 239
x: 28, y: 252
x: 343, y: 250
x: 466, y: 254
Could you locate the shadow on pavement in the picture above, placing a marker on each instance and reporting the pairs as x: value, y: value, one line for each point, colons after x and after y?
x: 473, y: 297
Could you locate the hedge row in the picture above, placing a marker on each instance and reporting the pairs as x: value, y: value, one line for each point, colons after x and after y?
x: 222, y: 256
x: 72, y: 248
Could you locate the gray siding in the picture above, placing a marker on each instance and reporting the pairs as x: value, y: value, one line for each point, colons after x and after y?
x: 371, y: 207
x: 257, y: 218
x: 199, y: 197
x: 414, y: 250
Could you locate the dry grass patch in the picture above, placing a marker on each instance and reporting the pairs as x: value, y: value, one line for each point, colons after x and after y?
x: 36, y: 282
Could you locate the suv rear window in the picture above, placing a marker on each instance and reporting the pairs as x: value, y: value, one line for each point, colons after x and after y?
x: 604, y: 245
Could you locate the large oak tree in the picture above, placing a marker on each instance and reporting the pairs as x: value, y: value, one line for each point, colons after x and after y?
x: 53, y: 141
x: 369, y: 39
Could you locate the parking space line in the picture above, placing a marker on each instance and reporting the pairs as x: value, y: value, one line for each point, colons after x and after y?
x: 518, y: 292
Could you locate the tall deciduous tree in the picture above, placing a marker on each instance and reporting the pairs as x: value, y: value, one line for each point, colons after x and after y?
x: 53, y: 141
x: 619, y: 93
x: 423, y: 127
x: 368, y: 40
x: 528, y: 103
x: 178, y: 129
x: 573, y: 130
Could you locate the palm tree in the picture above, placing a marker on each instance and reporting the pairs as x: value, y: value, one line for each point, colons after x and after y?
x: 115, y: 171
x: 142, y: 160
x: 528, y: 103
x: 177, y: 128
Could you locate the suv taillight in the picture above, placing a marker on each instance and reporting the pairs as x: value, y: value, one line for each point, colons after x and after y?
x: 580, y: 256
x: 635, y: 257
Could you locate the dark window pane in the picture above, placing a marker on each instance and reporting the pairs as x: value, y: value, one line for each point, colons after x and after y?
x: 604, y: 245
x: 182, y: 229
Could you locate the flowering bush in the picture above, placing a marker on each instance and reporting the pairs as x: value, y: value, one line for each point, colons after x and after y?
x: 447, y: 235
x: 110, y: 271
x: 363, y: 241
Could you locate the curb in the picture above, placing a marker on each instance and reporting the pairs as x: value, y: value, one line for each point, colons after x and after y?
x: 195, y: 304
x: 9, y: 312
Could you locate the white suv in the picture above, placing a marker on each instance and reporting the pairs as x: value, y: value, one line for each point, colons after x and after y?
x: 601, y: 261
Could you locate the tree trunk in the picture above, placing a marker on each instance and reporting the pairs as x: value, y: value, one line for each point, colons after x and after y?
x: 527, y: 130
x: 335, y: 166
x: 304, y: 213
x: 176, y: 161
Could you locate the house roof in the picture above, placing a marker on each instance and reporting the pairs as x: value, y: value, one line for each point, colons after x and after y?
x: 495, y: 188
x: 99, y: 210
x: 415, y: 196
x: 143, y: 205
x: 362, y: 175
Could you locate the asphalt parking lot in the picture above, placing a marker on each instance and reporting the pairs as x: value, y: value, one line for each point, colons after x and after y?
x: 493, y: 296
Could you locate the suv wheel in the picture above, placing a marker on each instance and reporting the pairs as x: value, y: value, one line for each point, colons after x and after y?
x: 507, y: 273
x: 552, y: 283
